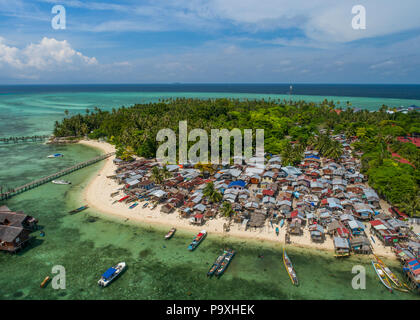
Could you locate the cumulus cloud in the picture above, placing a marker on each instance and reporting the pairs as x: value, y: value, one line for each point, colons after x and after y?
x: 46, y: 55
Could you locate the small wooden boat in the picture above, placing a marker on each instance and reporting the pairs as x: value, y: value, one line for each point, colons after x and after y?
x: 45, y: 281
x: 277, y: 231
x: 381, y: 275
x: 281, y: 223
x: 289, y: 268
x: 170, y: 234
x: 79, y: 209
x: 123, y: 198
x: 197, y: 240
x: 153, y: 206
x: 372, y: 239
x: 61, y: 182
x: 225, y: 263
x: 146, y: 204
x: 114, y: 194
x: 135, y: 204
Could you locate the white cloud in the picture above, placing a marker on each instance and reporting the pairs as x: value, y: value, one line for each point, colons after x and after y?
x: 49, y: 54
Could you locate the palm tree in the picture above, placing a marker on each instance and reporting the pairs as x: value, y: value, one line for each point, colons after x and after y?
x: 210, y: 192
x: 227, y: 210
x: 157, y: 175
x: 127, y: 154
x: 165, y: 172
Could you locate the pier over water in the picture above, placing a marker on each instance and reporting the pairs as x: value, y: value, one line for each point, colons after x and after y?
x: 36, y: 183
x: 23, y: 139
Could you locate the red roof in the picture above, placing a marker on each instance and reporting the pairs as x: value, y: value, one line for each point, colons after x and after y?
x: 198, y: 216
x: 294, y: 214
x: 268, y: 192
x: 375, y: 222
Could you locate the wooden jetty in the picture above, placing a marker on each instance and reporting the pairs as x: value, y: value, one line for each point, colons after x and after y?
x: 36, y: 183
x: 23, y: 139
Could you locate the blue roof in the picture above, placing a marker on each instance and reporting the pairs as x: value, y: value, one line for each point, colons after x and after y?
x: 312, y: 156
x: 108, y: 273
x: 239, y: 183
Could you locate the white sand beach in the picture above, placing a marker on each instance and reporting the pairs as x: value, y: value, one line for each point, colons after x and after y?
x: 97, y: 196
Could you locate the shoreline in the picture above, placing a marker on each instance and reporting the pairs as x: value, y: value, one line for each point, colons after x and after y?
x: 97, y: 196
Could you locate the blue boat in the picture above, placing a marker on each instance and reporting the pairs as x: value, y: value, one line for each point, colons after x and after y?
x: 277, y: 230
x: 135, y: 204
x: 225, y: 263
x: 111, y: 274
x: 372, y: 239
x: 197, y: 240
x: 56, y: 155
x: 281, y: 223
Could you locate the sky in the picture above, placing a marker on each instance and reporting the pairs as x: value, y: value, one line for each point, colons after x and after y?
x: 209, y: 41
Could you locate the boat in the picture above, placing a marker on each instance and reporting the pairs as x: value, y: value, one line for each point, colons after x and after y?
x: 45, y: 281
x: 281, y: 223
x: 372, y: 239
x: 170, y: 234
x: 61, y: 182
x: 153, y: 206
x: 216, y: 263
x: 114, y: 194
x: 111, y: 274
x: 135, y: 204
x: 277, y: 231
x: 56, y: 155
x: 79, y: 209
x: 197, y: 240
x: 391, y: 275
x: 146, y: 204
x: 123, y: 198
x: 381, y: 275
x: 225, y: 263
x: 289, y: 268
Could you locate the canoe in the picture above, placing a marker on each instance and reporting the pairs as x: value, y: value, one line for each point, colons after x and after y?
x: 45, y: 281
x: 123, y: 198
x: 170, y: 234
x: 79, y: 209
x: 281, y: 223
x: 289, y: 268
x: 277, y: 230
x: 135, y: 204
x: 216, y: 263
x: 372, y: 239
x: 381, y: 275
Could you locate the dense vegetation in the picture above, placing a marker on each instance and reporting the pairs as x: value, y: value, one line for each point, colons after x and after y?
x: 134, y: 129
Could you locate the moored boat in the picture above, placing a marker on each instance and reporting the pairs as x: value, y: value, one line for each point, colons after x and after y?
x: 170, y: 234
x: 111, y: 274
x: 391, y: 275
x: 146, y: 204
x: 123, y: 198
x: 45, y: 281
x: 289, y: 268
x: 225, y: 263
x: 216, y: 264
x: 381, y: 275
x: 135, y: 204
x: 197, y: 240
x: 114, y: 194
x: 277, y: 231
x: 56, y: 155
x: 281, y: 223
x: 61, y: 182
x: 79, y: 209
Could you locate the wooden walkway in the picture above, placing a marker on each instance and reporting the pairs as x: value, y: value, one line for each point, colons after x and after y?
x: 23, y: 139
x: 36, y: 183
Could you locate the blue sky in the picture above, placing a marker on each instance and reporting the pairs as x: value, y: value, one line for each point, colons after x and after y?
x: 209, y: 41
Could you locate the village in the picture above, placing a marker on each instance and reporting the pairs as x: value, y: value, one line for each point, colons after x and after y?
x: 328, y: 199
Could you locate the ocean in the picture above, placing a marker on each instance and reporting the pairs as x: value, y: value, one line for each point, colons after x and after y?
x: 86, y: 244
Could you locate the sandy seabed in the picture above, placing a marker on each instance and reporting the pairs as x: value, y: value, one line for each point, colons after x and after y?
x: 98, y: 196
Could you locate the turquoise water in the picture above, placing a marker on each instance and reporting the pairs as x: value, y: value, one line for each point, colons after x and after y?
x: 86, y: 244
